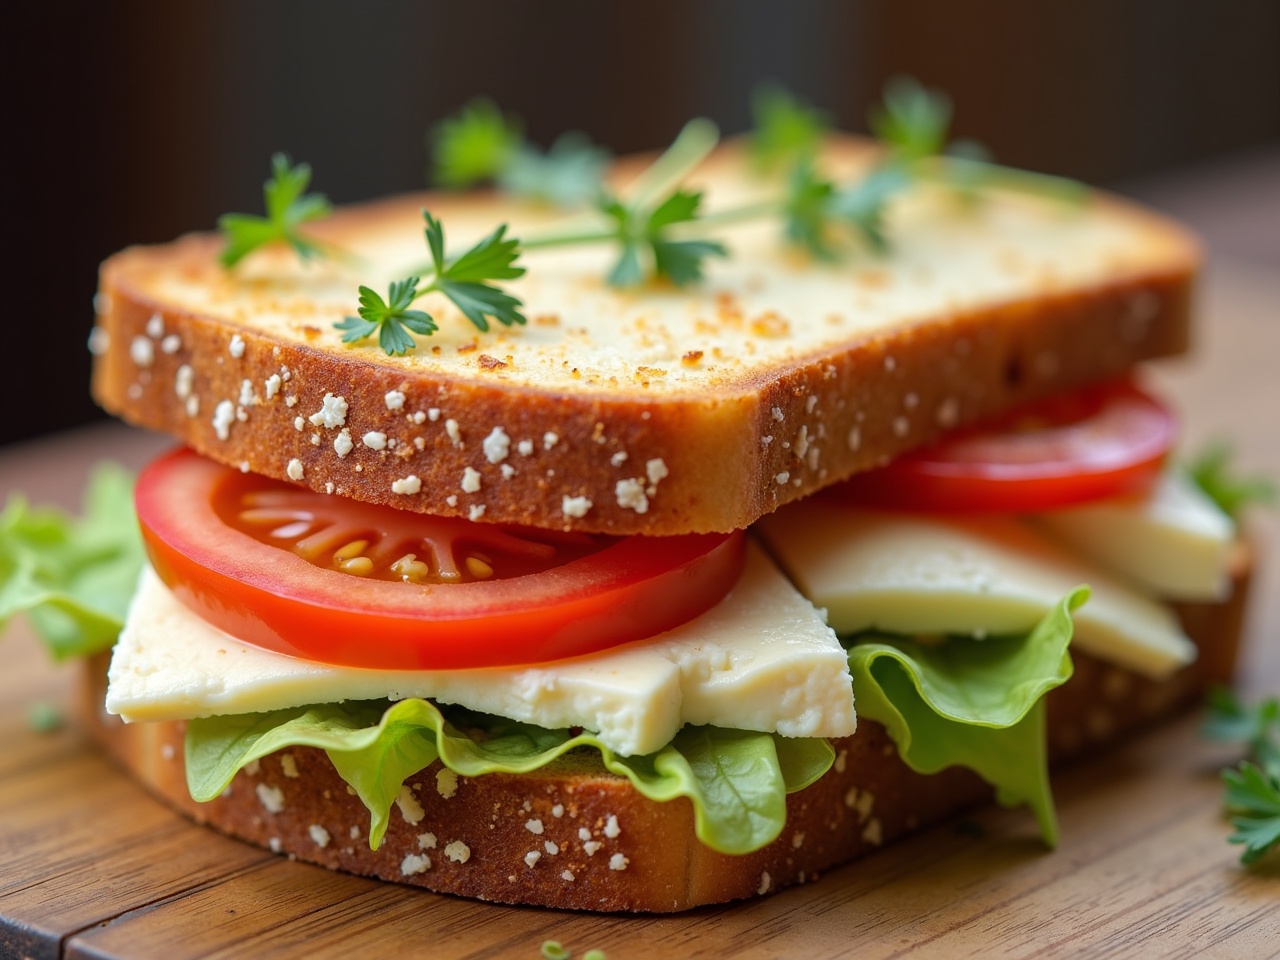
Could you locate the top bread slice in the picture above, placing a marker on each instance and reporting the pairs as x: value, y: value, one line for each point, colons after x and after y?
x: 656, y: 410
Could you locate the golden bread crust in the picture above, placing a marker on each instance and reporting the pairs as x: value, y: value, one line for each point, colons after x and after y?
x: 778, y: 405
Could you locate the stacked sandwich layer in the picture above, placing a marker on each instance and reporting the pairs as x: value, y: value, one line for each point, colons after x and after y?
x: 731, y: 734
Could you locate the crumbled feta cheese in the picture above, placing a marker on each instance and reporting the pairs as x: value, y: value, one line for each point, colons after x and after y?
x: 777, y: 414
x: 549, y: 440
x: 591, y: 846
x: 319, y: 835
x: 223, y: 416
x: 551, y: 847
x: 155, y: 326
x: 496, y: 445
x: 142, y: 351
x: 765, y: 882
x: 475, y: 512
x: 394, y: 400
x: 782, y: 477
x: 183, y: 380
x: 451, y: 428
x: 342, y: 443
x: 409, y: 806
x: 171, y: 344
x: 414, y: 863
x: 446, y: 782
x: 470, y: 480
x: 294, y: 469
x: 656, y: 470
x: 611, y: 828
x: 426, y: 841
x: 247, y: 399
x: 193, y: 405
x: 289, y: 766
x: 631, y: 496
x: 525, y: 448
x: 618, y: 862
x: 236, y: 346
x: 508, y: 471
x: 272, y: 385
x: 433, y: 414
x: 99, y: 340
x: 332, y: 412
x: 374, y: 440
x: 532, y: 857
x: 575, y: 506
x: 457, y: 851
x: 533, y: 826
x: 299, y: 423
x: 558, y: 811
x: 408, y: 485
x: 567, y: 875
x: 271, y: 798
x: 419, y: 417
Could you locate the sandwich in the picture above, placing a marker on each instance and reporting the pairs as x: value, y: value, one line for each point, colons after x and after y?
x: 645, y: 580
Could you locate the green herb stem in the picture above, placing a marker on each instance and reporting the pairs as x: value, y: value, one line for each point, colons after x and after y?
x: 695, y: 141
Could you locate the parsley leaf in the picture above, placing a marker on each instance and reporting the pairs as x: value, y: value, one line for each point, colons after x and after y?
x: 1211, y: 471
x: 786, y: 128
x: 1253, y: 794
x: 913, y: 120
x: 681, y: 261
x: 813, y: 204
x: 1253, y: 788
x: 474, y: 146
x: 569, y: 174
x: 389, y: 318
x: 1257, y: 727
x: 288, y: 207
x: 464, y: 280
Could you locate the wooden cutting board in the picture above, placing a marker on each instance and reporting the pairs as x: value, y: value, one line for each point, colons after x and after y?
x: 92, y: 867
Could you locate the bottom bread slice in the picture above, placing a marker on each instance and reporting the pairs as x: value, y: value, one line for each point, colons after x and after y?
x: 574, y: 836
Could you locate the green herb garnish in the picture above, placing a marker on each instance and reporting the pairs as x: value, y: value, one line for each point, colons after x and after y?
x: 288, y: 205
x: 473, y: 146
x: 786, y: 128
x: 1212, y: 472
x: 657, y: 225
x: 465, y: 281
x: 1253, y: 787
x: 482, y: 144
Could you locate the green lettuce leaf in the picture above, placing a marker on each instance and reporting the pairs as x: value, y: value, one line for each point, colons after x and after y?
x: 973, y: 703
x: 73, y: 578
x: 737, y: 780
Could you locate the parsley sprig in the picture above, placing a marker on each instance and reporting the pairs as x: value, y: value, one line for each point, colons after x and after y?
x: 1253, y: 787
x: 483, y: 144
x: 659, y: 226
x: 1213, y: 472
x: 465, y: 280
x: 288, y: 206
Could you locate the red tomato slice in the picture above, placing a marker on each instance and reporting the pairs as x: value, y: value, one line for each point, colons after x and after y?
x: 332, y: 580
x: 1102, y: 442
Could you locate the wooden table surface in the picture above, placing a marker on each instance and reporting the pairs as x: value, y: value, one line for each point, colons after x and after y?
x: 92, y: 867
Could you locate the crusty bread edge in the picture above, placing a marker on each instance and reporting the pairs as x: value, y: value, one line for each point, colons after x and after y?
x: 827, y: 415
x: 573, y: 837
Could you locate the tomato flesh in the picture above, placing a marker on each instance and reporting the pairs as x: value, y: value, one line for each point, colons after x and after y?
x: 1103, y: 442
x: 269, y: 563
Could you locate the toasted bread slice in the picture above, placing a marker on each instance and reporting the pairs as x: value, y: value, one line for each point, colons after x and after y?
x: 638, y: 411
x: 573, y: 836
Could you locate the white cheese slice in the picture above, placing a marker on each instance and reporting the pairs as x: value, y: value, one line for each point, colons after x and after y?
x: 762, y: 659
x: 1176, y: 541
x: 914, y: 574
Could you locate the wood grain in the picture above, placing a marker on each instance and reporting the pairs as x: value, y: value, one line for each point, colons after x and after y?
x: 91, y: 867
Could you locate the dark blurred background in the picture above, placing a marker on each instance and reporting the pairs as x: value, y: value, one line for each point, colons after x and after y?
x: 138, y: 120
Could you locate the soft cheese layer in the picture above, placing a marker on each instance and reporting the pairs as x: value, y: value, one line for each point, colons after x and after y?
x: 763, y: 659
x: 912, y: 574
x: 1175, y: 541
